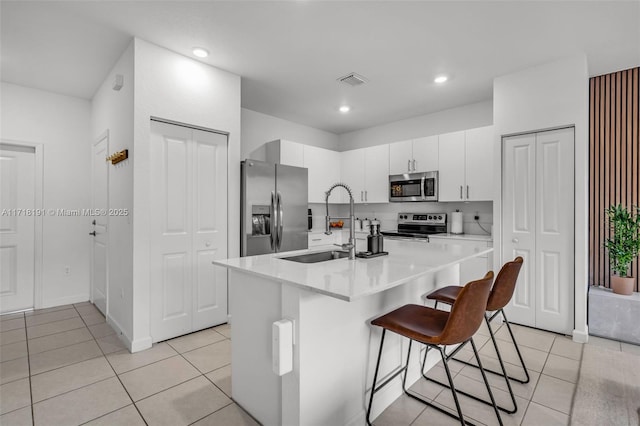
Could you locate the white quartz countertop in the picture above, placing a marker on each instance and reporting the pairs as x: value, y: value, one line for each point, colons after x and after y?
x: 469, y: 237
x: 353, y: 279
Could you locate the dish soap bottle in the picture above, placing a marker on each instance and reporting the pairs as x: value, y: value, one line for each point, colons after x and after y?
x: 372, y: 241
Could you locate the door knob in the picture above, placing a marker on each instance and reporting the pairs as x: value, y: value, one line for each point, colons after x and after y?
x: 515, y: 240
x: 208, y: 244
x: 92, y: 233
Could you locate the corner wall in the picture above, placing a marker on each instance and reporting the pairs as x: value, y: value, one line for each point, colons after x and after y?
x: 61, y: 124
x: 178, y: 88
x: 550, y: 95
x: 113, y: 111
x: 258, y: 128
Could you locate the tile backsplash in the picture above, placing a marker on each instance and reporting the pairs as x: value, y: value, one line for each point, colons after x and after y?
x: 387, y: 213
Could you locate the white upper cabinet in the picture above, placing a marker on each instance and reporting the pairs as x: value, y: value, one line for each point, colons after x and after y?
x: 366, y: 171
x: 416, y: 155
x: 400, y: 157
x: 466, y: 165
x: 376, y: 174
x: 425, y: 154
x: 451, y: 167
x: 324, y: 171
x: 479, y: 164
x: 352, y: 166
x: 323, y: 164
x: 285, y: 152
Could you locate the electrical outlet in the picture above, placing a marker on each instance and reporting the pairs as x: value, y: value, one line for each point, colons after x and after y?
x: 67, y: 270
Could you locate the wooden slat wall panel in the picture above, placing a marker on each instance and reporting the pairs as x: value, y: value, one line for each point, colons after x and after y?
x: 614, y: 163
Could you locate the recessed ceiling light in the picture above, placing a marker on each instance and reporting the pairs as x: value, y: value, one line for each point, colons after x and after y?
x: 440, y: 79
x: 345, y: 108
x: 200, y: 52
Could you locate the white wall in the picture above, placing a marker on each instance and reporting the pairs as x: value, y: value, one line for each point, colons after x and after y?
x: 542, y: 97
x: 61, y: 125
x: 258, y: 128
x: 113, y: 111
x: 466, y: 117
x: 174, y: 87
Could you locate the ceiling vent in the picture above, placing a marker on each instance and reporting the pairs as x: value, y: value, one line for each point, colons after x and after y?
x: 353, y: 79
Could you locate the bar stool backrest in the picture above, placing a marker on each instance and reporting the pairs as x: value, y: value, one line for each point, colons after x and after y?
x: 504, y: 285
x: 467, y: 312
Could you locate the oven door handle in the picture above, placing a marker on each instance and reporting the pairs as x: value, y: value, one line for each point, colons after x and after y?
x: 422, y: 183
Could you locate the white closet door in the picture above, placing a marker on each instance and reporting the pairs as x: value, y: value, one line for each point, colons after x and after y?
x: 519, y: 222
x: 171, y: 223
x: 209, y: 173
x: 555, y: 230
x: 188, y: 228
x: 17, y: 228
x: 538, y: 224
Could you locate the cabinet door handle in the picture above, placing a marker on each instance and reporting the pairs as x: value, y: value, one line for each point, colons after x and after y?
x: 408, y: 165
x: 414, y: 165
x: 467, y: 192
x: 361, y: 195
x: 515, y: 240
x: 366, y: 196
x: 461, y: 192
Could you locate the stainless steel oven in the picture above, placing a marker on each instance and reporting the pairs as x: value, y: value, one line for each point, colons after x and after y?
x: 413, y: 187
x: 418, y: 226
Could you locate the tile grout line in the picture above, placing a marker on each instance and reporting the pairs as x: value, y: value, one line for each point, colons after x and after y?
x: 33, y: 417
x: 114, y: 372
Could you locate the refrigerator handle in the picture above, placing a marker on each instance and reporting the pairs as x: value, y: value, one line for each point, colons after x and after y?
x: 272, y: 222
x: 280, y: 220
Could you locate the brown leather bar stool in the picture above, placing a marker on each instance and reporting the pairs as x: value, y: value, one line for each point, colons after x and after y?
x: 500, y: 295
x: 436, y: 329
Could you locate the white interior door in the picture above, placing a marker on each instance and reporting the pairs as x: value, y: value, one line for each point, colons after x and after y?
x: 519, y: 222
x: 17, y: 228
x: 188, y: 228
x: 555, y: 230
x: 538, y: 225
x: 210, y: 228
x: 100, y: 201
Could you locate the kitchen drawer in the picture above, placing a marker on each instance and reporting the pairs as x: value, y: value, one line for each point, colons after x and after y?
x: 321, y: 239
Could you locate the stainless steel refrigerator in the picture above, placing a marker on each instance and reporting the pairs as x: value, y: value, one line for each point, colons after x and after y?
x: 274, y: 208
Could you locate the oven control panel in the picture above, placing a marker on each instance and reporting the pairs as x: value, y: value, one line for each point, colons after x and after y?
x: 422, y: 218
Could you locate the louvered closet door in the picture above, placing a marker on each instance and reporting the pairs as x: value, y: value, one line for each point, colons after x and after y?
x: 188, y: 228
x: 538, y: 224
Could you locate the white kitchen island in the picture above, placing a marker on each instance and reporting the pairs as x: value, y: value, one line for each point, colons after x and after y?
x: 331, y: 304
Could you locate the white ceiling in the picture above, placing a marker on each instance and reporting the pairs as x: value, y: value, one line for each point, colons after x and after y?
x: 290, y: 53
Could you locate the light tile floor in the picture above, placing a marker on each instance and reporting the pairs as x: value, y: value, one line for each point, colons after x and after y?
x: 553, y: 361
x: 66, y: 366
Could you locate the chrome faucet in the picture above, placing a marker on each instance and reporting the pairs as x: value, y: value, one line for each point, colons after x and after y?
x: 351, y: 245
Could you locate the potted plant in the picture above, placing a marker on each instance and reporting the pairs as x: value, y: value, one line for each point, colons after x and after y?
x: 623, y: 246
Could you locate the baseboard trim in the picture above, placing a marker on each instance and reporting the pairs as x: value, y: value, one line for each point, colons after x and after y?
x: 581, y: 336
x: 140, y: 344
x: 122, y: 335
x: 61, y: 301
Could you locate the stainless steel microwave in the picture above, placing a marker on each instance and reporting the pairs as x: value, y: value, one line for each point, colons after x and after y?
x: 413, y: 187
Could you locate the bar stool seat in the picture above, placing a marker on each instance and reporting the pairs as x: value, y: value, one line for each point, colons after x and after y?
x: 500, y: 295
x: 436, y: 329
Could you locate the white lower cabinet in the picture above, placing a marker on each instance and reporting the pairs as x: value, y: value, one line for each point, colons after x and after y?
x: 472, y: 269
x: 319, y: 238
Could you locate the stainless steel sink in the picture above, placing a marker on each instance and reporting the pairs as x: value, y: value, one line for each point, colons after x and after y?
x: 322, y: 256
